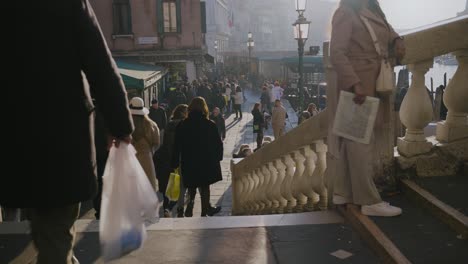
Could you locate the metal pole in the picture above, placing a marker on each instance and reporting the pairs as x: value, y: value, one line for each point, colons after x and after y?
x: 250, y: 52
x: 301, y: 73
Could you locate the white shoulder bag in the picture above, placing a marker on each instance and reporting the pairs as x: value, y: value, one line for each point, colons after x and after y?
x: 386, y: 80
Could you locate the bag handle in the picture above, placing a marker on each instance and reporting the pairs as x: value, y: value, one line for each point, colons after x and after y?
x: 373, y: 35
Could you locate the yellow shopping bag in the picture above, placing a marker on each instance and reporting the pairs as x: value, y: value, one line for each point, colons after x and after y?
x: 173, y: 187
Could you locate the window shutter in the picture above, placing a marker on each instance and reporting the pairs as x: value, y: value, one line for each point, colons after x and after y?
x: 129, y: 21
x: 179, y: 16
x: 160, y: 16
x: 203, y: 16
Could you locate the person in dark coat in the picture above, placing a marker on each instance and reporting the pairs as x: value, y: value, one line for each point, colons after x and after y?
x: 56, y: 148
x: 198, y: 150
x: 158, y: 115
x: 101, y: 135
x: 258, y: 123
x: 162, y: 157
x: 218, y: 119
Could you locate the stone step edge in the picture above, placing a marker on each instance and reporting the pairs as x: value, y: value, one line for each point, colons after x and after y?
x: 456, y: 220
x: 372, y: 235
x: 201, y: 223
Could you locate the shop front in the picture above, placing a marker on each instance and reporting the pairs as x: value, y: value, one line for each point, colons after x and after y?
x: 142, y: 80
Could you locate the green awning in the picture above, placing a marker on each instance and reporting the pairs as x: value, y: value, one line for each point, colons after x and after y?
x: 138, y: 75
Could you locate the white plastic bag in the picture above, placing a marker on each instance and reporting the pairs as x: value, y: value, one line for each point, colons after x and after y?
x: 127, y: 201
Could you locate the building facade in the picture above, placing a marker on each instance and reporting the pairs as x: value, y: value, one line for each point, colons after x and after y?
x: 169, y: 33
x: 219, y: 23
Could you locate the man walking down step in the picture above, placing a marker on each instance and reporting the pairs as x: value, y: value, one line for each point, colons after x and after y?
x: 56, y: 146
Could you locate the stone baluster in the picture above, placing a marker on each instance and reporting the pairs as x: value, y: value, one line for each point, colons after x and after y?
x: 272, y: 189
x: 259, y: 196
x: 298, y: 182
x: 255, y: 195
x: 318, y: 179
x: 310, y: 168
x: 455, y: 127
x: 416, y: 112
x: 240, y: 199
x: 281, y: 168
x: 266, y: 190
x: 253, y: 190
x: 286, y: 190
x: 246, y: 196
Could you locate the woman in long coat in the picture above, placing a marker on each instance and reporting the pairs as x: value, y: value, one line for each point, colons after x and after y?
x: 145, y: 139
x: 198, y: 150
x: 162, y: 158
x: 357, y: 64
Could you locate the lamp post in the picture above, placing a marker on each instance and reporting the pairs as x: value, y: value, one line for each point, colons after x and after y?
x: 301, y: 33
x: 216, y: 58
x: 250, y: 46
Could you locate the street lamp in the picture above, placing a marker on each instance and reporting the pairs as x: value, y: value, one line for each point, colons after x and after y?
x: 301, y: 33
x: 250, y: 46
x: 216, y: 57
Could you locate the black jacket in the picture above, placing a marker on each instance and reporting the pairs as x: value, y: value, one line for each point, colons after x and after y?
x: 220, y: 124
x: 198, y: 149
x: 56, y: 148
x: 159, y: 117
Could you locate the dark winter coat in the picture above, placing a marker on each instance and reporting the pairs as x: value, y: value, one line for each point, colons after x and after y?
x: 159, y: 117
x: 162, y: 157
x: 55, y: 149
x: 220, y: 124
x: 199, y: 150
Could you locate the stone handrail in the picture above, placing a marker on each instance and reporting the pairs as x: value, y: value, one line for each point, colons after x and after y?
x: 416, y: 111
x: 286, y: 175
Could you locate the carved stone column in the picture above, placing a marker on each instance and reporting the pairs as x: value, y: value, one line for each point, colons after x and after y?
x: 456, y: 99
x: 279, y: 165
x: 286, y: 188
x: 416, y: 112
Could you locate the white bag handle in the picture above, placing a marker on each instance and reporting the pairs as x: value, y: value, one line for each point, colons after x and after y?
x: 373, y: 35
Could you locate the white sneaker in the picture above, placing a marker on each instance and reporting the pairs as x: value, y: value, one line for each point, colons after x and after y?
x: 340, y: 200
x: 380, y: 209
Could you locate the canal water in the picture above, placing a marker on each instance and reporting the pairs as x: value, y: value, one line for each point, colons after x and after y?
x: 437, y: 74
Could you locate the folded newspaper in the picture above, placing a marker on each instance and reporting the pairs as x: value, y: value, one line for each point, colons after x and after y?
x: 353, y: 121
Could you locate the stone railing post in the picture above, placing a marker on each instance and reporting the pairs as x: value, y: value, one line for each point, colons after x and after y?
x: 279, y: 165
x: 286, y: 191
x: 455, y: 127
x: 416, y: 112
x: 298, y: 182
x: 319, y: 178
x: 273, y: 189
x: 266, y: 190
x: 308, y: 186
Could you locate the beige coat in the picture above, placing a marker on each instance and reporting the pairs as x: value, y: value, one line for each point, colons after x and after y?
x: 145, y: 147
x: 352, y: 51
x: 355, y: 60
x: 278, y: 118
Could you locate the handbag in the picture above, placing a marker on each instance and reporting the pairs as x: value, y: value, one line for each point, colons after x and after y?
x: 256, y: 128
x: 385, y: 82
x: 173, y: 186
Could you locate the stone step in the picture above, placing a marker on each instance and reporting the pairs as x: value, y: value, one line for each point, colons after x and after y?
x: 192, y: 223
x: 420, y: 236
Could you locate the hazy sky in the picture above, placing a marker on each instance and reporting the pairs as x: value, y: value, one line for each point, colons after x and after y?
x: 408, y: 14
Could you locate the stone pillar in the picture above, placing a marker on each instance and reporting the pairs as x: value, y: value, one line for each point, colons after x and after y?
x: 416, y: 112
x: 456, y: 99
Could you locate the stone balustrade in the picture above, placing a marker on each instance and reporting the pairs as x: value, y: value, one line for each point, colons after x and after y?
x: 290, y: 174
x: 285, y: 176
x: 416, y: 110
